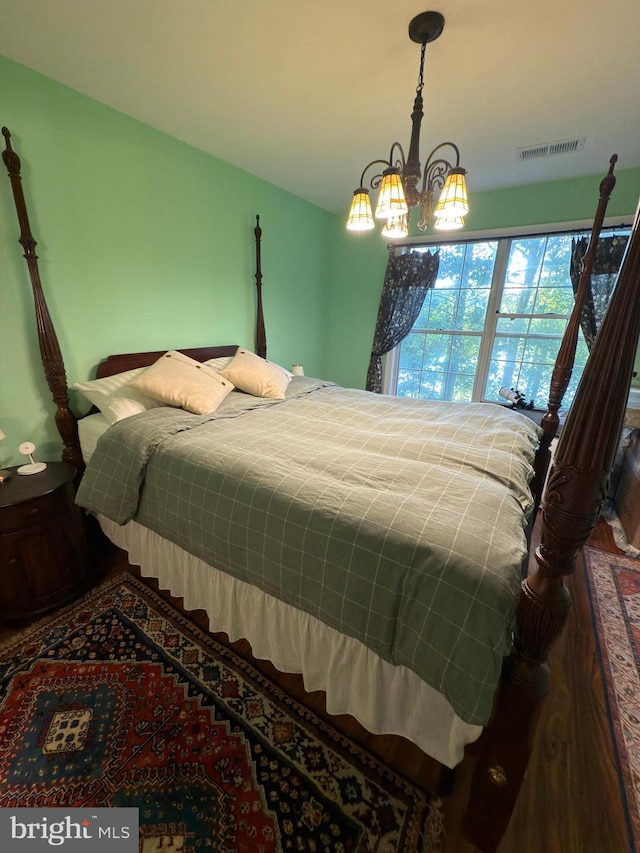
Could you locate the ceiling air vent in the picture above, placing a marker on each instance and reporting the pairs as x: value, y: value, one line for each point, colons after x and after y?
x: 547, y: 149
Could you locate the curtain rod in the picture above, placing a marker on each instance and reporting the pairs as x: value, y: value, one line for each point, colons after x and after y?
x: 516, y: 235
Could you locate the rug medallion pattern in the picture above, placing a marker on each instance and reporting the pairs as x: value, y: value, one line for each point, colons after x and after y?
x: 121, y: 701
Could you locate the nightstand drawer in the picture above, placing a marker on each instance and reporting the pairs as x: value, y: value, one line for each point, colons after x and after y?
x: 43, y: 550
x: 35, y: 511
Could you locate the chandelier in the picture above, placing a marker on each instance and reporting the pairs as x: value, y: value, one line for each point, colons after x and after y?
x: 398, y: 181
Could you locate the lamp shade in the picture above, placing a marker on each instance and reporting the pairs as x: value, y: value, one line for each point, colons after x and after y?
x: 395, y: 227
x: 453, y: 202
x: 360, y: 214
x: 391, y: 199
x: 449, y: 224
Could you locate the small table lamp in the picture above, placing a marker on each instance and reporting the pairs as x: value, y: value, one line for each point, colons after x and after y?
x: 4, y: 474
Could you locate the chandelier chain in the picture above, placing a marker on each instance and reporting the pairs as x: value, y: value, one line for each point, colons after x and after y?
x: 420, y: 85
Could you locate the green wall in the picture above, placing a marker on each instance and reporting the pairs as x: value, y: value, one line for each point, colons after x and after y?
x: 359, y: 260
x: 143, y: 243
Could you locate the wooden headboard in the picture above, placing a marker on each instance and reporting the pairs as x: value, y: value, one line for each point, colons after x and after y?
x: 127, y: 361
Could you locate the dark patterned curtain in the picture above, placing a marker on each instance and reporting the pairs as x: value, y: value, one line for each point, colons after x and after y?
x: 406, y: 282
x: 606, y: 263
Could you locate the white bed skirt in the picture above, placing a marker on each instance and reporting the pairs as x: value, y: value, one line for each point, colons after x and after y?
x: 384, y: 698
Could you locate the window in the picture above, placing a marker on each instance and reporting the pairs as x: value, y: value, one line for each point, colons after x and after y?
x: 495, y: 317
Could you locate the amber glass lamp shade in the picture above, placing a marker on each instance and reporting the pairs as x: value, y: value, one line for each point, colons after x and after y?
x: 360, y: 214
x: 391, y: 199
x: 396, y: 227
x: 453, y: 202
x: 449, y: 224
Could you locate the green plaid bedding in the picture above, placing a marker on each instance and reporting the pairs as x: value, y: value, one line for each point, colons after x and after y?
x: 398, y: 522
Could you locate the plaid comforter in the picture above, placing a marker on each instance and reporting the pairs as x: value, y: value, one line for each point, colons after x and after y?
x: 398, y: 522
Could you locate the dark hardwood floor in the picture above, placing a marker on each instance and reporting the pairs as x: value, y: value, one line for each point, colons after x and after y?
x: 570, y: 801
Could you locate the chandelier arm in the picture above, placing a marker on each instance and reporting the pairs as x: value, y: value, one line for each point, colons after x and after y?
x: 376, y: 178
x: 436, y: 170
x: 447, y: 145
x: 435, y: 174
x: 401, y: 162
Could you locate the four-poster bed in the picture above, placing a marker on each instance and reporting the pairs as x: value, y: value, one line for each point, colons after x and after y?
x: 576, y: 488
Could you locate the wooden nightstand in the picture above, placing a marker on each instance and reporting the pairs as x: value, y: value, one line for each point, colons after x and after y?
x: 43, y: 553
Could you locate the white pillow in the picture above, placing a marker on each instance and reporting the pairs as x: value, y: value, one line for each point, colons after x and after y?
x: 182, y: 381
x: 113, y: 396
x: 122, y: 407
x: 256, y: 376
x: 218, y: 363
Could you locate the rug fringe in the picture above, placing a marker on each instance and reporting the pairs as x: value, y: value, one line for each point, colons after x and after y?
x: 434, y: 833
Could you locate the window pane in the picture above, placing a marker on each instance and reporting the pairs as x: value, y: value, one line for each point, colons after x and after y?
x: 522, y: 363
x: 408, y: 384
x: 540, y: 351
x: 472, y: 310
x: 478, y: 265
x: 543, y: 326
x: 505, y: 365
x: 461, y: 292
x: 508, y: 348
x: 518, y: 300
x: 437, y: 349
x: 450, y: 268
x: 525, y: 263
x: 432, y: 386
x: 448, y: 367
x: 464, y: 354
x: 442, y: 310
x: 558, y: 300
x: 517, y: 326
x: 555, y: 272
x: 462, y: 391
x: 411, y: 352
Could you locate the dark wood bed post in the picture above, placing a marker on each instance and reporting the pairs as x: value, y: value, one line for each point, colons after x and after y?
x: 52, y: 360
x: 576, y: 490
x: 261, y: 338
x: 563, y: 366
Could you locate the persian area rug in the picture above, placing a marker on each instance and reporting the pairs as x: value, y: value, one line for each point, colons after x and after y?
x: 120, y: 701
x: 614, y: 589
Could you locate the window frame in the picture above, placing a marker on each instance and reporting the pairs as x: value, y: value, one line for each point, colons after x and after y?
x: 505, y: 238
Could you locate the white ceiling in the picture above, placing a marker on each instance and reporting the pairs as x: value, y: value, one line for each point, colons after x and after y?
x: 305, y: 94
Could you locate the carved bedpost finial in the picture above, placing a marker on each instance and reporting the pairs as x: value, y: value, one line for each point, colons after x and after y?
x: 608, y: 182
x: 11, y: 159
